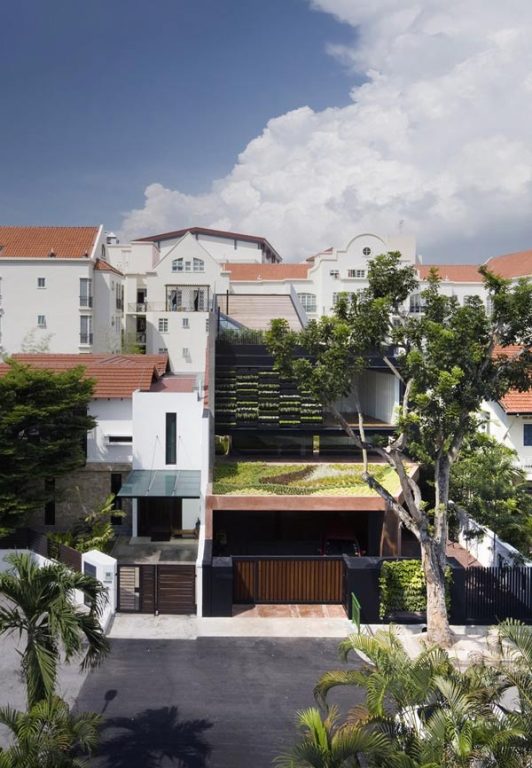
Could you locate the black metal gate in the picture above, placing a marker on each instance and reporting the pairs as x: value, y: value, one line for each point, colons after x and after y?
x: 146, y: 588
x: 495, y: 594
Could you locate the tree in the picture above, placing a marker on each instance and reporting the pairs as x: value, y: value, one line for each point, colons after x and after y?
x: 93, y: 530
x: 421, y: 712
x: 40, y: 608
x: 48, y: 736
x: 447, y: 362
x: 43, y: 430
x: 489, y: 486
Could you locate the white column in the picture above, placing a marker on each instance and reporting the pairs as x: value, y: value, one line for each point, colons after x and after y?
x: 135, y: 519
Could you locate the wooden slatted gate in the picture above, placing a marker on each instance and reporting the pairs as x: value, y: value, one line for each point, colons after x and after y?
x: 288, y: 580
x: 144, y: 588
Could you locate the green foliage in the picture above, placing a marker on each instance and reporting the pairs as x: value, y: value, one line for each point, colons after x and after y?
x: 91, y: 531
x: 422, y: 712
x: 48, y: 736
x: 43, y: 428
x: 487, y: 483
x: 37, y: 604
x: 241, y: 336
x: 403, y: 587
x: 260, y: 478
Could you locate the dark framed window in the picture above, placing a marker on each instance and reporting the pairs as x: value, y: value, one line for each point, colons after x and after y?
x: 527, y: 434
x: 49, y: 505
x: 116, y: 484
x: 171, y: 438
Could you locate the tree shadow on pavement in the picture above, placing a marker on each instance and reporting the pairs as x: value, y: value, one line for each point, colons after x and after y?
x: 154, y: 738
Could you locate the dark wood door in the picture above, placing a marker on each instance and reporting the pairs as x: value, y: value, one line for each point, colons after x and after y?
x: 159, y: 517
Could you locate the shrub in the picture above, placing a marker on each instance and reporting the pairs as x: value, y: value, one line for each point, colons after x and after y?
x: 403, y: 588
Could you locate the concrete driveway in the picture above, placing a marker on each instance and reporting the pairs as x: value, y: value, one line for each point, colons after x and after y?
x: 209, y: 702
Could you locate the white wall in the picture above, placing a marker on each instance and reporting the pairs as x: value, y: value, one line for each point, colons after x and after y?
x: 185, y: 345
x: 58, y: 301
x: 221, y: 248
x: 485, y: 546
x: 113, y: 417
x: 149, y: 427
x: 379, y: 396
x: 508, y: 430
x: 107, y: 324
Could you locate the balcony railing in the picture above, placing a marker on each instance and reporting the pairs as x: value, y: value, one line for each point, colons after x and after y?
x: 137, y: 307
x: 85, y: 338
x: 180, y: 298
x: 85, y: 301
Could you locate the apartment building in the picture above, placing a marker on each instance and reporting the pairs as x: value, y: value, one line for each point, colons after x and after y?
x: 57, y: 293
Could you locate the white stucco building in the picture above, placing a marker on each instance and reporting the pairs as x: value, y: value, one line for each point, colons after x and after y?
x: 57, y: 293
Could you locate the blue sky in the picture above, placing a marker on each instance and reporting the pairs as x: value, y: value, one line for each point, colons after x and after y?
x: 304, y: 121
x: 101, y: 98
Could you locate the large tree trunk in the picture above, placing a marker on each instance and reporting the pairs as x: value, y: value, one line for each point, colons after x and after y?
x: 438, y: 629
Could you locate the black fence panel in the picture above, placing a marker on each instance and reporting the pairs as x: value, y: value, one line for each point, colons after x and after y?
x: 495, y: 594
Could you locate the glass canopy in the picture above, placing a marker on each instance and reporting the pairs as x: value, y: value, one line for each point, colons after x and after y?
x: 180, y: 483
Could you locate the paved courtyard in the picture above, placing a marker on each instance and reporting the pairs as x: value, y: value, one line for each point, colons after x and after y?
x: 209, y: 702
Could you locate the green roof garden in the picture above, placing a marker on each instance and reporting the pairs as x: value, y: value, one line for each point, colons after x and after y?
x: 258, y: 478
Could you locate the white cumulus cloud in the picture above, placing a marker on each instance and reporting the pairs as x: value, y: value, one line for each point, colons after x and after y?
x: 436, y: 141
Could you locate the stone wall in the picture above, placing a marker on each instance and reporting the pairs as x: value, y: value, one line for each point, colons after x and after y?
x: 82, y: 492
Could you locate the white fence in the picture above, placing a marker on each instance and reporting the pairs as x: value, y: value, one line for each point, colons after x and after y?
x: 94, y: 563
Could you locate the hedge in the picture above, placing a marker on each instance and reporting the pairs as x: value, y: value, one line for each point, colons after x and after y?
x: 403, y: 589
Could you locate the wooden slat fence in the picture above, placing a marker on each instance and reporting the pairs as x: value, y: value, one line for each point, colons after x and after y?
x: 288, y: 580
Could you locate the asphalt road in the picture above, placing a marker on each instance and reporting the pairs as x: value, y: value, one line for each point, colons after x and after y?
x: 205, y: 703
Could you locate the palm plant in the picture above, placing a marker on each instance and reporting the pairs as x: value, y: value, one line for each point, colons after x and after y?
x: 41, y: 609
x: 430, y: 714
x: 326, y: 744
x: 48, y: 736
x: 515, y: 650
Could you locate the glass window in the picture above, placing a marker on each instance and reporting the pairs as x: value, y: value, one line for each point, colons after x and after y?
x: 198, y: 265
x: 85, y: 329
x: 41, y: 321
x: 163, y: 325
x: 366, y: 251
x: 356, y: 273
x: 171, y: 438
x: 527, y: 434
x: 177, y: 265
x: 85, y: 292
x: 41, y: 282
x: 308, y: 301
x: 185, y: 323
x: 116, y: 484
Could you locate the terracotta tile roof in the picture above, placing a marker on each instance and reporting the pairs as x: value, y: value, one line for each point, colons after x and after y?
x: 104, y: 266
x: 39, y: 242
x: 517, y: 402
x: 115, y: 375
x: 206, y: 231
x: 459, y: 273
x: 252, y: 272
x: 512, y: 264
x: 179, y: 382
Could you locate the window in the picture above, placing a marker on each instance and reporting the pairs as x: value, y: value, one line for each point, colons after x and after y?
x: 356, y: 273
x: 417, y: 303
x: 120, y: 438
x: 85, y: 329
x: 186, y: 352
x: 116, y: 484
x: 41, y: 282
x: 207, y: 325
x: 85, y: 292
x: 198, y: 265
x: 171, y: 438
x: 527, y: 434
x: 308, y: 301
x: 163, y: 325
x: 177, y: 265
x: 366, y: 251
x: 49, y: 506
x: 41, y: 321
x: 162, y: 350
x: 334, y: 273
x: 185, y: 323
